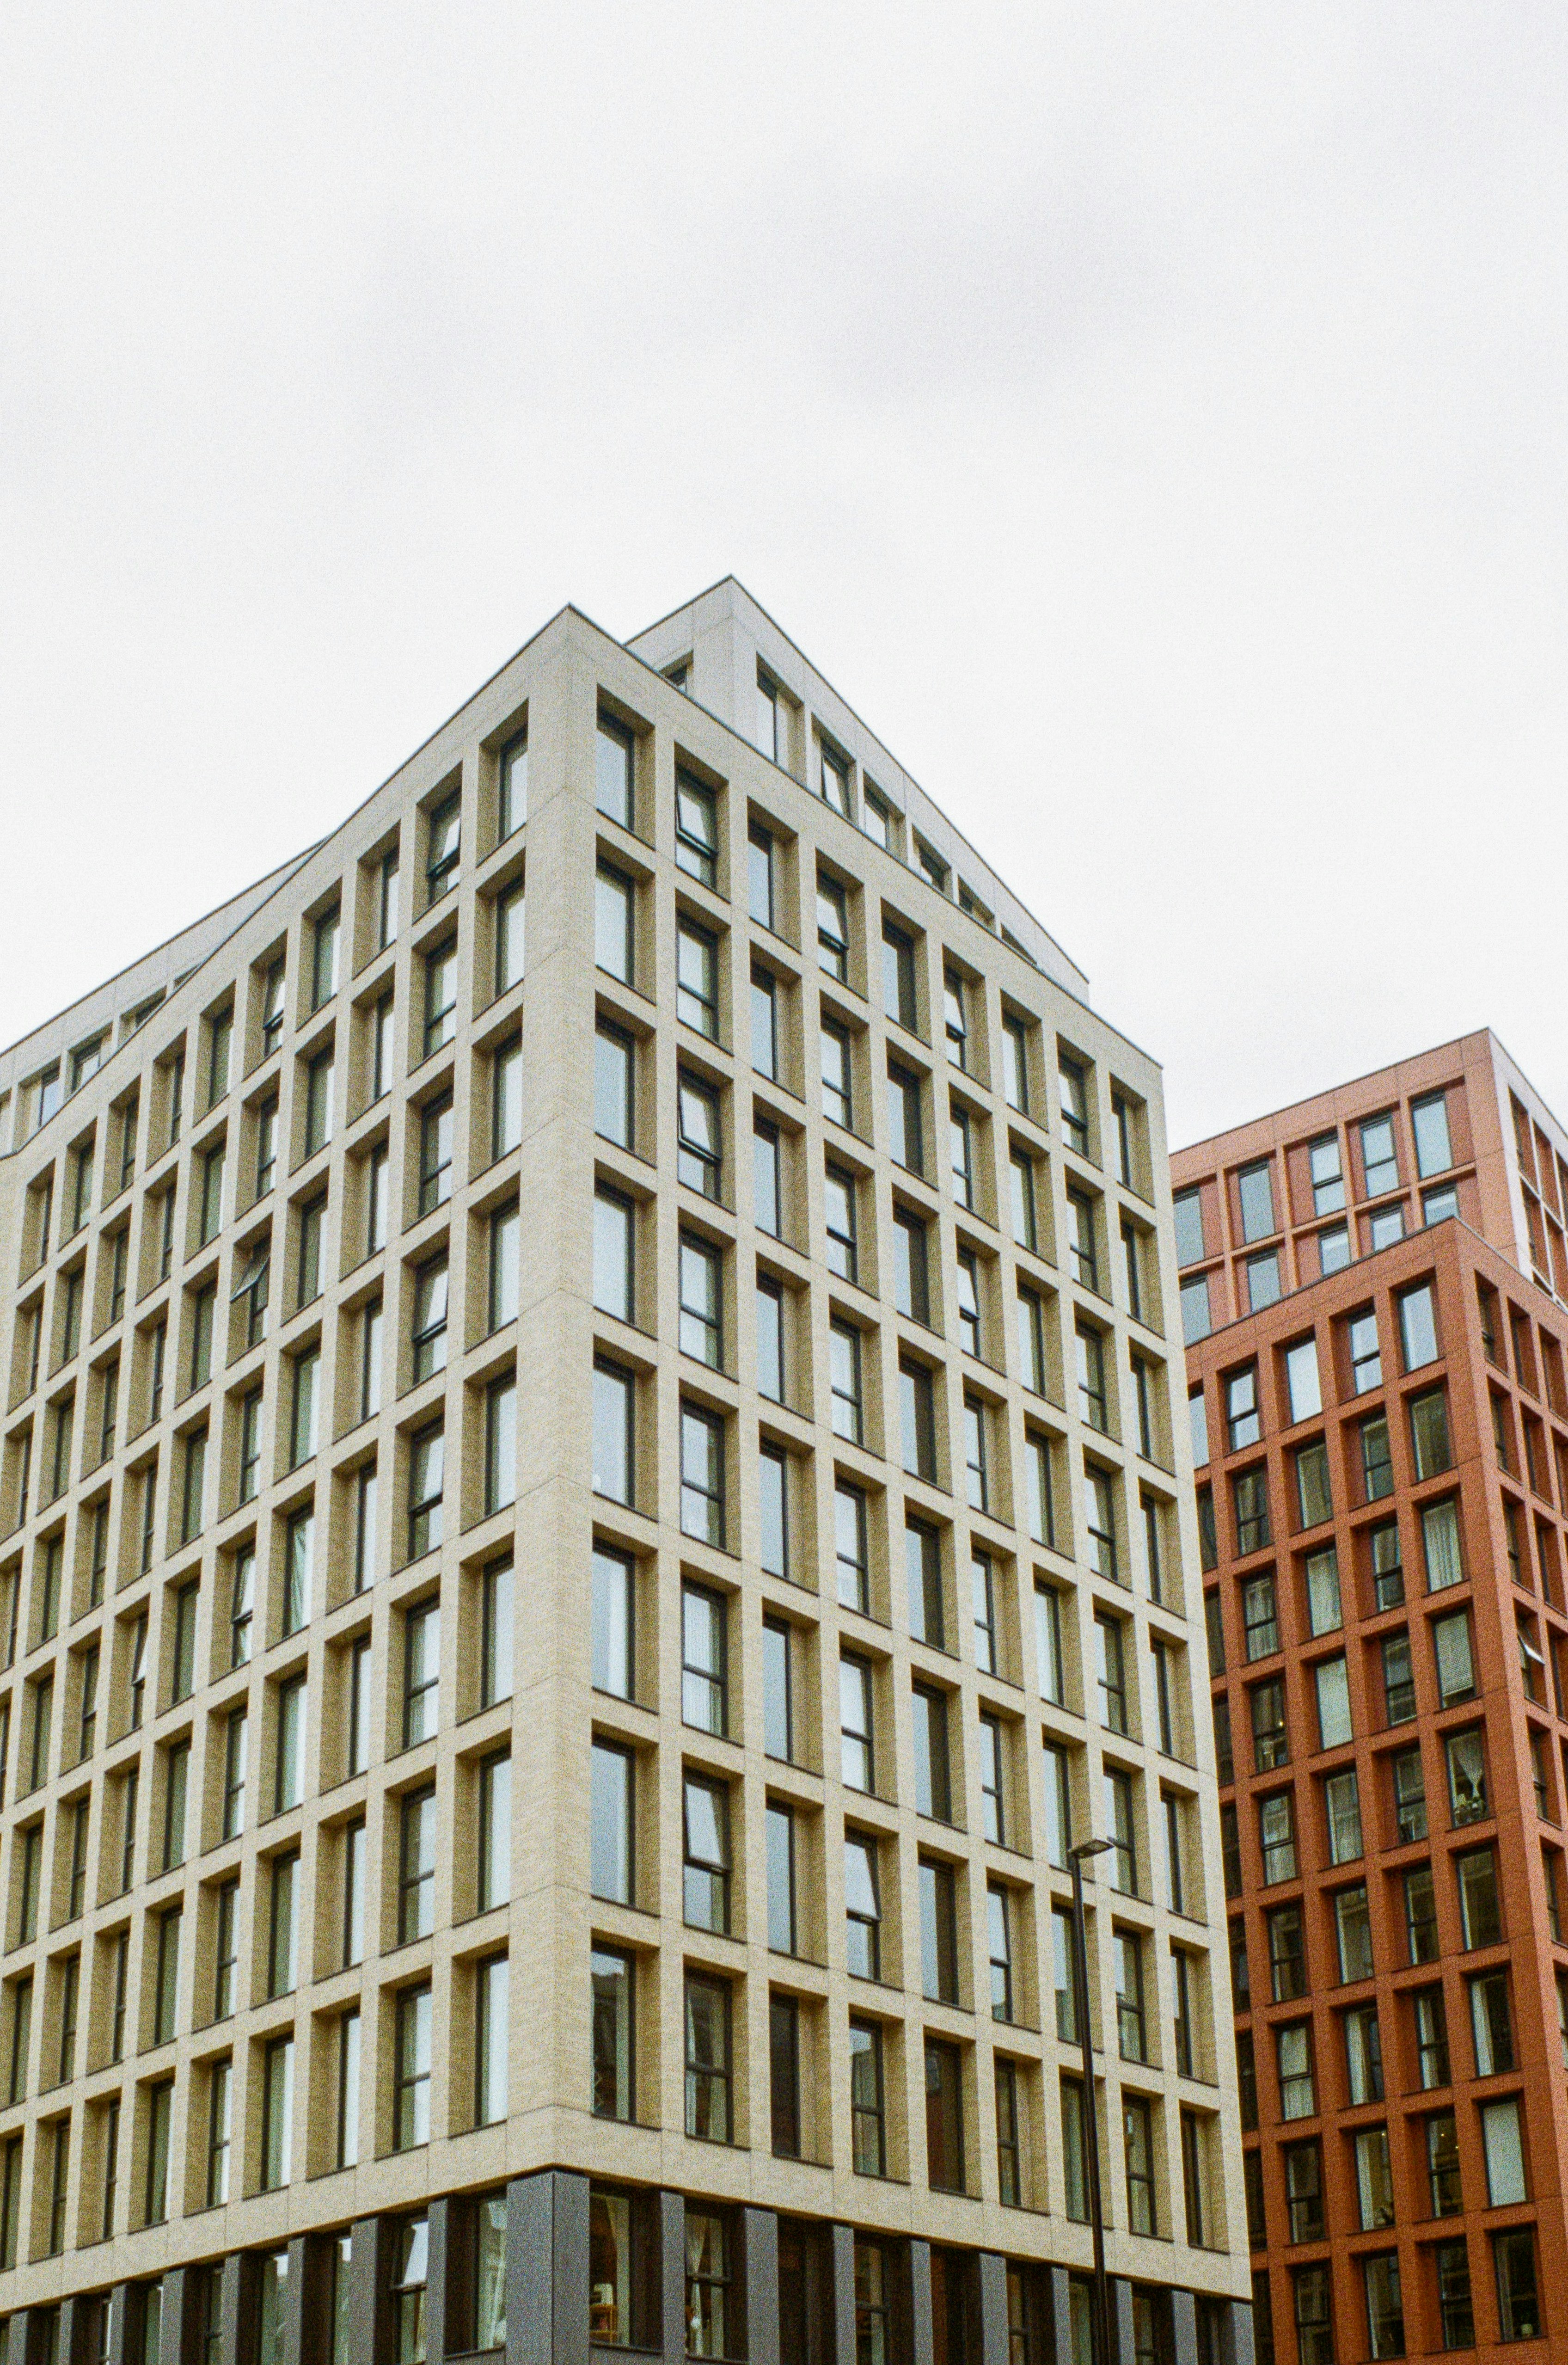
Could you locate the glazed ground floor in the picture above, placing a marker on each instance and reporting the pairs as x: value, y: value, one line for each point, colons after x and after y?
x: 556, y: 2270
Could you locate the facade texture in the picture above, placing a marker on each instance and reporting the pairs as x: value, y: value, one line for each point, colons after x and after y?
x: 589, y: 1508
x: 1373, y: 1287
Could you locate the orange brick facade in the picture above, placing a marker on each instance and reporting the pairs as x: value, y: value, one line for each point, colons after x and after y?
x: 1382, y: 1471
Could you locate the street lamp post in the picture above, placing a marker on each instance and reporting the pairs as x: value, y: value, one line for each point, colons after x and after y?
x: 1100, y: 2304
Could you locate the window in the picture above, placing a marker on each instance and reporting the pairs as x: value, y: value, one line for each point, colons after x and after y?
x: 1298, y: 2092
x: 782, y: 1928
x: 839, y: 1213
x: 1480, y: 1911
x: 1456, y: 2318
x: 1276, y: 1837
x: 837, y: 1075
x: 429, y: 1326
x: 1092, y: 1398
x: 769, y: 1318
x: 1513, y: 2262
x: 614, y: 1240
x: 862, y: 1907
x: 1491, y: 2023
x: 614, y: 1433
x: 1455, y: 1663
x: 765, y: 1047
x: 832, y: 931
x: 706, y: 1877
x: 1110, y: 1671
x: 703, y: 1476
x: 421, y: 1672
x: 697, y: 978
x: 917, y: 1419
x: 1342, y: 1811
x: 611, y: 1858
x: 1466, y: 1761
x: 1354, y: 1933
x: 955, y: 1020
x: 1270, y: 1739
x: 1363, y: 2055
x: 501, y: 1268
x: 1081, y: 1241
x: 704, y: 1684
x: 613, y: 1081
x: 699, y: 1161
x: 496, y: 1630
x: 906, y: 1130
x: 614, y: 1986
x: 1132, y: 2028
x: 1420, y: 1914
x: 1120, y: 1832
x: 1429, y: 1433
x: 846, y: 1382
x: 1429, y: 1124
x: 992, y: 1782
x: 983, y: 1594
x: 695, y: 829
x: 614, y: 774
x: 968, y: 1301
x: 1073, y: 1081
x: 944, y: 2116
x: 1409, y: 1795
x: 1379, y: 1160
x: 1100, y: 1518
x: 857, y: 1764
x: 708, y: 2074
x: 938, y: 1931
x: 1303, y: 2191
x: 1263, y: 1280
x: 614, y: 923
x: 851, y: 1547
x: 1255, y: 1192
x: 761, y: 883
x: 977, y: 1453
x: 868, y: 2149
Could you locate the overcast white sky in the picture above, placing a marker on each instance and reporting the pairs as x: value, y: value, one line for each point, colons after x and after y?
x: 1152, y: 419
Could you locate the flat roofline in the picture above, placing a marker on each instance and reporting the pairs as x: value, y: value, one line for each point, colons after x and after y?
x: 1358, y: 1264
x: 1350, y: 1084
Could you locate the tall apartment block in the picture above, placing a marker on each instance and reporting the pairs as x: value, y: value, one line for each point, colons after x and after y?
x: 589, y: 1513
x: 1375, y: 1298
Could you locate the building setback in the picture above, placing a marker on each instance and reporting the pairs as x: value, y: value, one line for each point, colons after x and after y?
x: 586, y: 1520
x: 1372, y: 1290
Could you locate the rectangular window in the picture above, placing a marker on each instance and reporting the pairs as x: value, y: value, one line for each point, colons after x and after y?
x: 863, y: 1909
x: 707, y: 2066
x: 699, y: 1161
x: 857, y: 1763
x: 697, y: 978
x: 868, y: 2150
x: 906, y: 1132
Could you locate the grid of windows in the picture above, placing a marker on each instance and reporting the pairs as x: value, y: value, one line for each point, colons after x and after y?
x: 366, y: 1386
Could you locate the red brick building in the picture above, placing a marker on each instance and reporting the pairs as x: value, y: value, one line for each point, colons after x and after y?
x: 1373, y: 1287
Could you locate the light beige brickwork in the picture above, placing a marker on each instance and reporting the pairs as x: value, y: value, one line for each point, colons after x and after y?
x: 336, y: 1177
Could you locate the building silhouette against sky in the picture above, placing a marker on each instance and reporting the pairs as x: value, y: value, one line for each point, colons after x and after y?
x: 589, y: 1508
x: 1375, y: 1295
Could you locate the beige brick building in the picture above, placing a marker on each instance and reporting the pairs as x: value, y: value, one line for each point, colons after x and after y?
x: 584, y: 1525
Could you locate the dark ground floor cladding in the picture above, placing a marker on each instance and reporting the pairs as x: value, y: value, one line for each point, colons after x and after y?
x: 584, y: 2273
